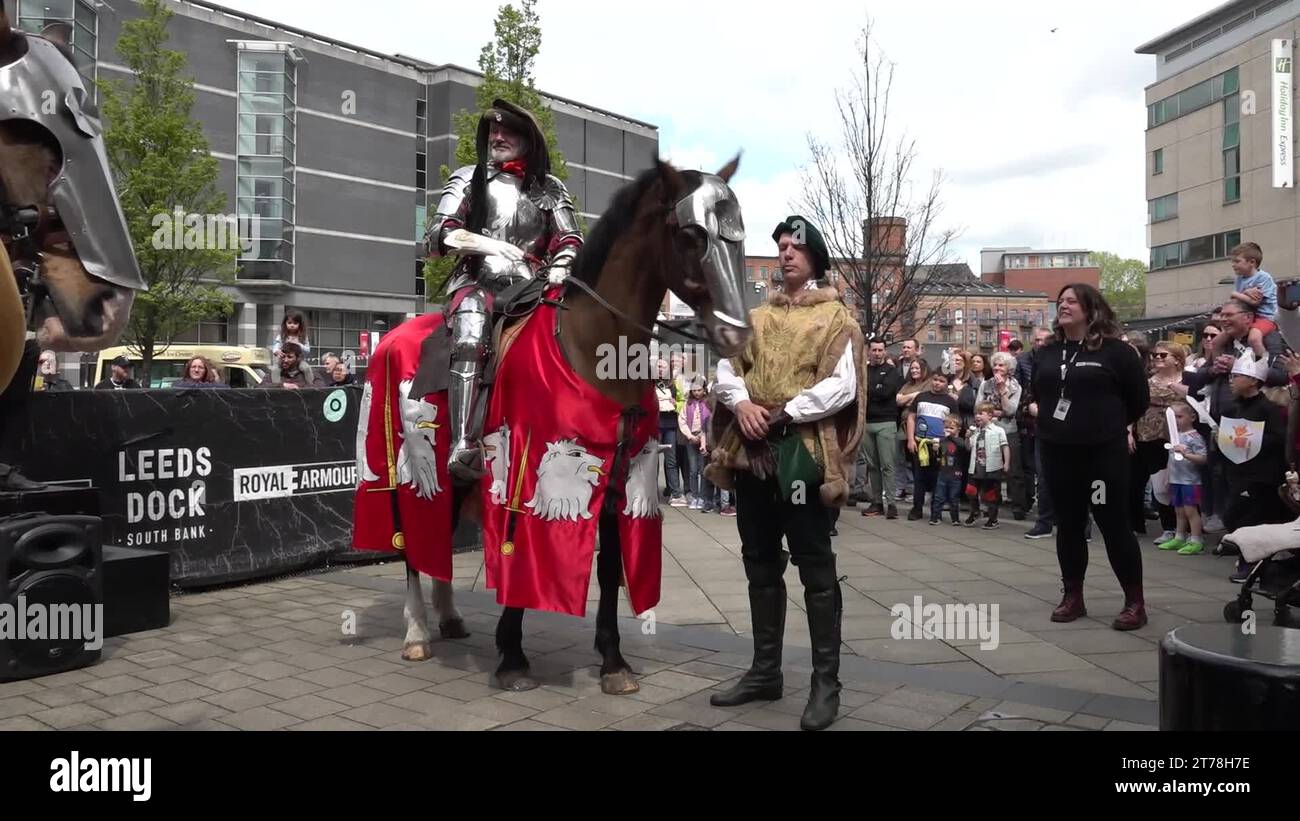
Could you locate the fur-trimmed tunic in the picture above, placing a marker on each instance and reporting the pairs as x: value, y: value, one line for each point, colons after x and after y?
x: 797, y: 342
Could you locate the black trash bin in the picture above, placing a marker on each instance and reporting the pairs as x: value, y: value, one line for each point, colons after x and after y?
x: 1215, y: 677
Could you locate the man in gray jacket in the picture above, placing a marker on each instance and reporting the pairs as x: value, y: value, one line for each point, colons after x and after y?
x: 1236, y: 317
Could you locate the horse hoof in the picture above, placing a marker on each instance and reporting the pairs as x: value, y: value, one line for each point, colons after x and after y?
x: 453, y: 629
x: 515, y: 681
x: 417, y: 651
x: 619, y: 684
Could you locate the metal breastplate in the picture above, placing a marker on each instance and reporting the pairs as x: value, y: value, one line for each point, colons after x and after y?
x: 515, y: 218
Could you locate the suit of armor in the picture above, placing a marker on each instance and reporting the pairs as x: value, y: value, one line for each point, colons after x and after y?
x: 528, y: 227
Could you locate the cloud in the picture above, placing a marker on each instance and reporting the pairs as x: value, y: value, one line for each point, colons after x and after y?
x: 985, y: 89
x: 1040, y: 165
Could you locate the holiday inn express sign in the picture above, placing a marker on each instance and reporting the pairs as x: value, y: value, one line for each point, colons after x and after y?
x: 1283, y: 115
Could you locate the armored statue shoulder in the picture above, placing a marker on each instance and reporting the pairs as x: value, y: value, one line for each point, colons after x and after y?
x: 551, y: 194
x: 461, y: 176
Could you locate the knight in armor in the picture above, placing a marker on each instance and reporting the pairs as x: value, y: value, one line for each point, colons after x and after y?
x: 508, y: 219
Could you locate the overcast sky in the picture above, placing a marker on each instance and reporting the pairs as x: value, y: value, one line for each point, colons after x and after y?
x: 1034, y: 111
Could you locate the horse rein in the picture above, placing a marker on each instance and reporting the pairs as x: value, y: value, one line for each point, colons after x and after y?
x: 591, y: 292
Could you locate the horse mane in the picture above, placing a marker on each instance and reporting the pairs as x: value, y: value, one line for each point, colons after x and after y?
x: 617, y: 219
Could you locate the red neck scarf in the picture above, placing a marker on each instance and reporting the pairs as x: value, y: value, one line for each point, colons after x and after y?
x: 516, y: 167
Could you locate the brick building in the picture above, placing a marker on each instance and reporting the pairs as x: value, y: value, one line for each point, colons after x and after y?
x: 1039, y: 269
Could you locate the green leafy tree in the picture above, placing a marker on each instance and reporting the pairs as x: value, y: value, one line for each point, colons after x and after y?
x: 160, y: 162
x: 507, y: 65
x: 1124, y: 284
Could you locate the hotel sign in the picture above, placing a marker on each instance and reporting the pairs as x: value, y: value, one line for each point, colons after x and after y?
x: 1283, y: 115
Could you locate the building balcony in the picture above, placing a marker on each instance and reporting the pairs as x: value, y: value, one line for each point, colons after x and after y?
x: 988, y: 322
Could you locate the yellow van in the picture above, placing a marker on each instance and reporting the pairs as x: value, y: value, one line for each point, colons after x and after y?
x: 238, y: 366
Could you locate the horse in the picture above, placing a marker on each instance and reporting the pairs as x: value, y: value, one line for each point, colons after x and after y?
x: 660, y: 233
x: 73, y: 309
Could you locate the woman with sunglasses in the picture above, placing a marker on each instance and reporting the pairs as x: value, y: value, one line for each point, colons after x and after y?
x: 1209, y: 333
x: 1151, y: 432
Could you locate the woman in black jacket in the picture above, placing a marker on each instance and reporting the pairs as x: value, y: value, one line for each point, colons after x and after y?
x: 1090, y: 387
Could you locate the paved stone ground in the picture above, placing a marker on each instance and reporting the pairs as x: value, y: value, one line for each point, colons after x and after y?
x: 274, y: 656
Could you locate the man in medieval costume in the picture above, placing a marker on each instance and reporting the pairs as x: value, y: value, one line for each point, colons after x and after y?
x: 790, y: 416
x: 508, y: 219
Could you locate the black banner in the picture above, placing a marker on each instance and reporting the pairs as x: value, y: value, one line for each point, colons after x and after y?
x: 140, y: 771
x: 234, y: 484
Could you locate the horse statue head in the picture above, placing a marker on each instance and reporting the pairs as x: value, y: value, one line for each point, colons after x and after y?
x: 68, y: 271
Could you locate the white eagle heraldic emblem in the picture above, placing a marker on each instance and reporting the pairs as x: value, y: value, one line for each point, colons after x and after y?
x: 417, y: 464
x: 496, y: 453
x: 566, y: 477
x: 363, y: 428
x: 1240, y: 439
x: 642, y: 489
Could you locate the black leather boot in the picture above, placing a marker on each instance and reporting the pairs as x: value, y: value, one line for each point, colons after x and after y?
x: 11, y: 481
x: 763, y: 681
x: 825, y: 606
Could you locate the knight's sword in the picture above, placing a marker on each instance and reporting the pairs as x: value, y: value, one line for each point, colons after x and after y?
x: 508, y: 546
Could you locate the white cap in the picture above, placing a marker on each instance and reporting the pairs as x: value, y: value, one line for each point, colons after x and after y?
x: 1247, y: 366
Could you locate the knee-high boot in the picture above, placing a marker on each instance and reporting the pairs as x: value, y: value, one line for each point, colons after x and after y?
x: 767, y: 602
x: 825, y: 606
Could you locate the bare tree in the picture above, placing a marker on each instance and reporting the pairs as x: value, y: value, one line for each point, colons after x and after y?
x: 866, y: 176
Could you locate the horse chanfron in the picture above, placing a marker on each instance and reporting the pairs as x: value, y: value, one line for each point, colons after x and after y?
x: 64, y: 230
x: 711, y: 229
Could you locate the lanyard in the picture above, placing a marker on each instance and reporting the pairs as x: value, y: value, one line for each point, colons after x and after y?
x: 1066, y: 368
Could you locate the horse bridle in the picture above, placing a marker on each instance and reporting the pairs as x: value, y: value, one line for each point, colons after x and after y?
x: 678, y: 327
x: 26, y: 230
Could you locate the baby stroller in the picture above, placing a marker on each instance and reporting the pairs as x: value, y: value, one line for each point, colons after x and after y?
x: 1275, y: 552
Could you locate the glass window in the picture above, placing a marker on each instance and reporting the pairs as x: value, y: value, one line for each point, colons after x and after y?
x: 272, y: 61
x: 260, y: 103
x: 85, y: 15
x: 1200, y: 249
x: 1158, y: 161
x: 1198, y: 96
x: 957, y: 316
x: 1163, y: 208
x: 251, y: 82
x: 265, y: 207
x: 1230, y: 81
x: 1231, y: 109
x: 262, y: 167
x: 1232, y: 135
x: 1231, y: 162
x: 930, y: 337
x: 1231, y: 189
x: 1231, y: 240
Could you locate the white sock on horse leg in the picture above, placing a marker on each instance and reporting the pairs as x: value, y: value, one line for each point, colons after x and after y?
x: 417, y: 621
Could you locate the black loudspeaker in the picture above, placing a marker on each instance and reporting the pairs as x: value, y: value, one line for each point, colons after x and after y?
x: 137, y: 593
x: 51, y: 594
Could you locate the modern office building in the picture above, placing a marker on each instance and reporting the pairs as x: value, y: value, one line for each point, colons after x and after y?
x: 336, y: 150
x: 1215, y: 174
